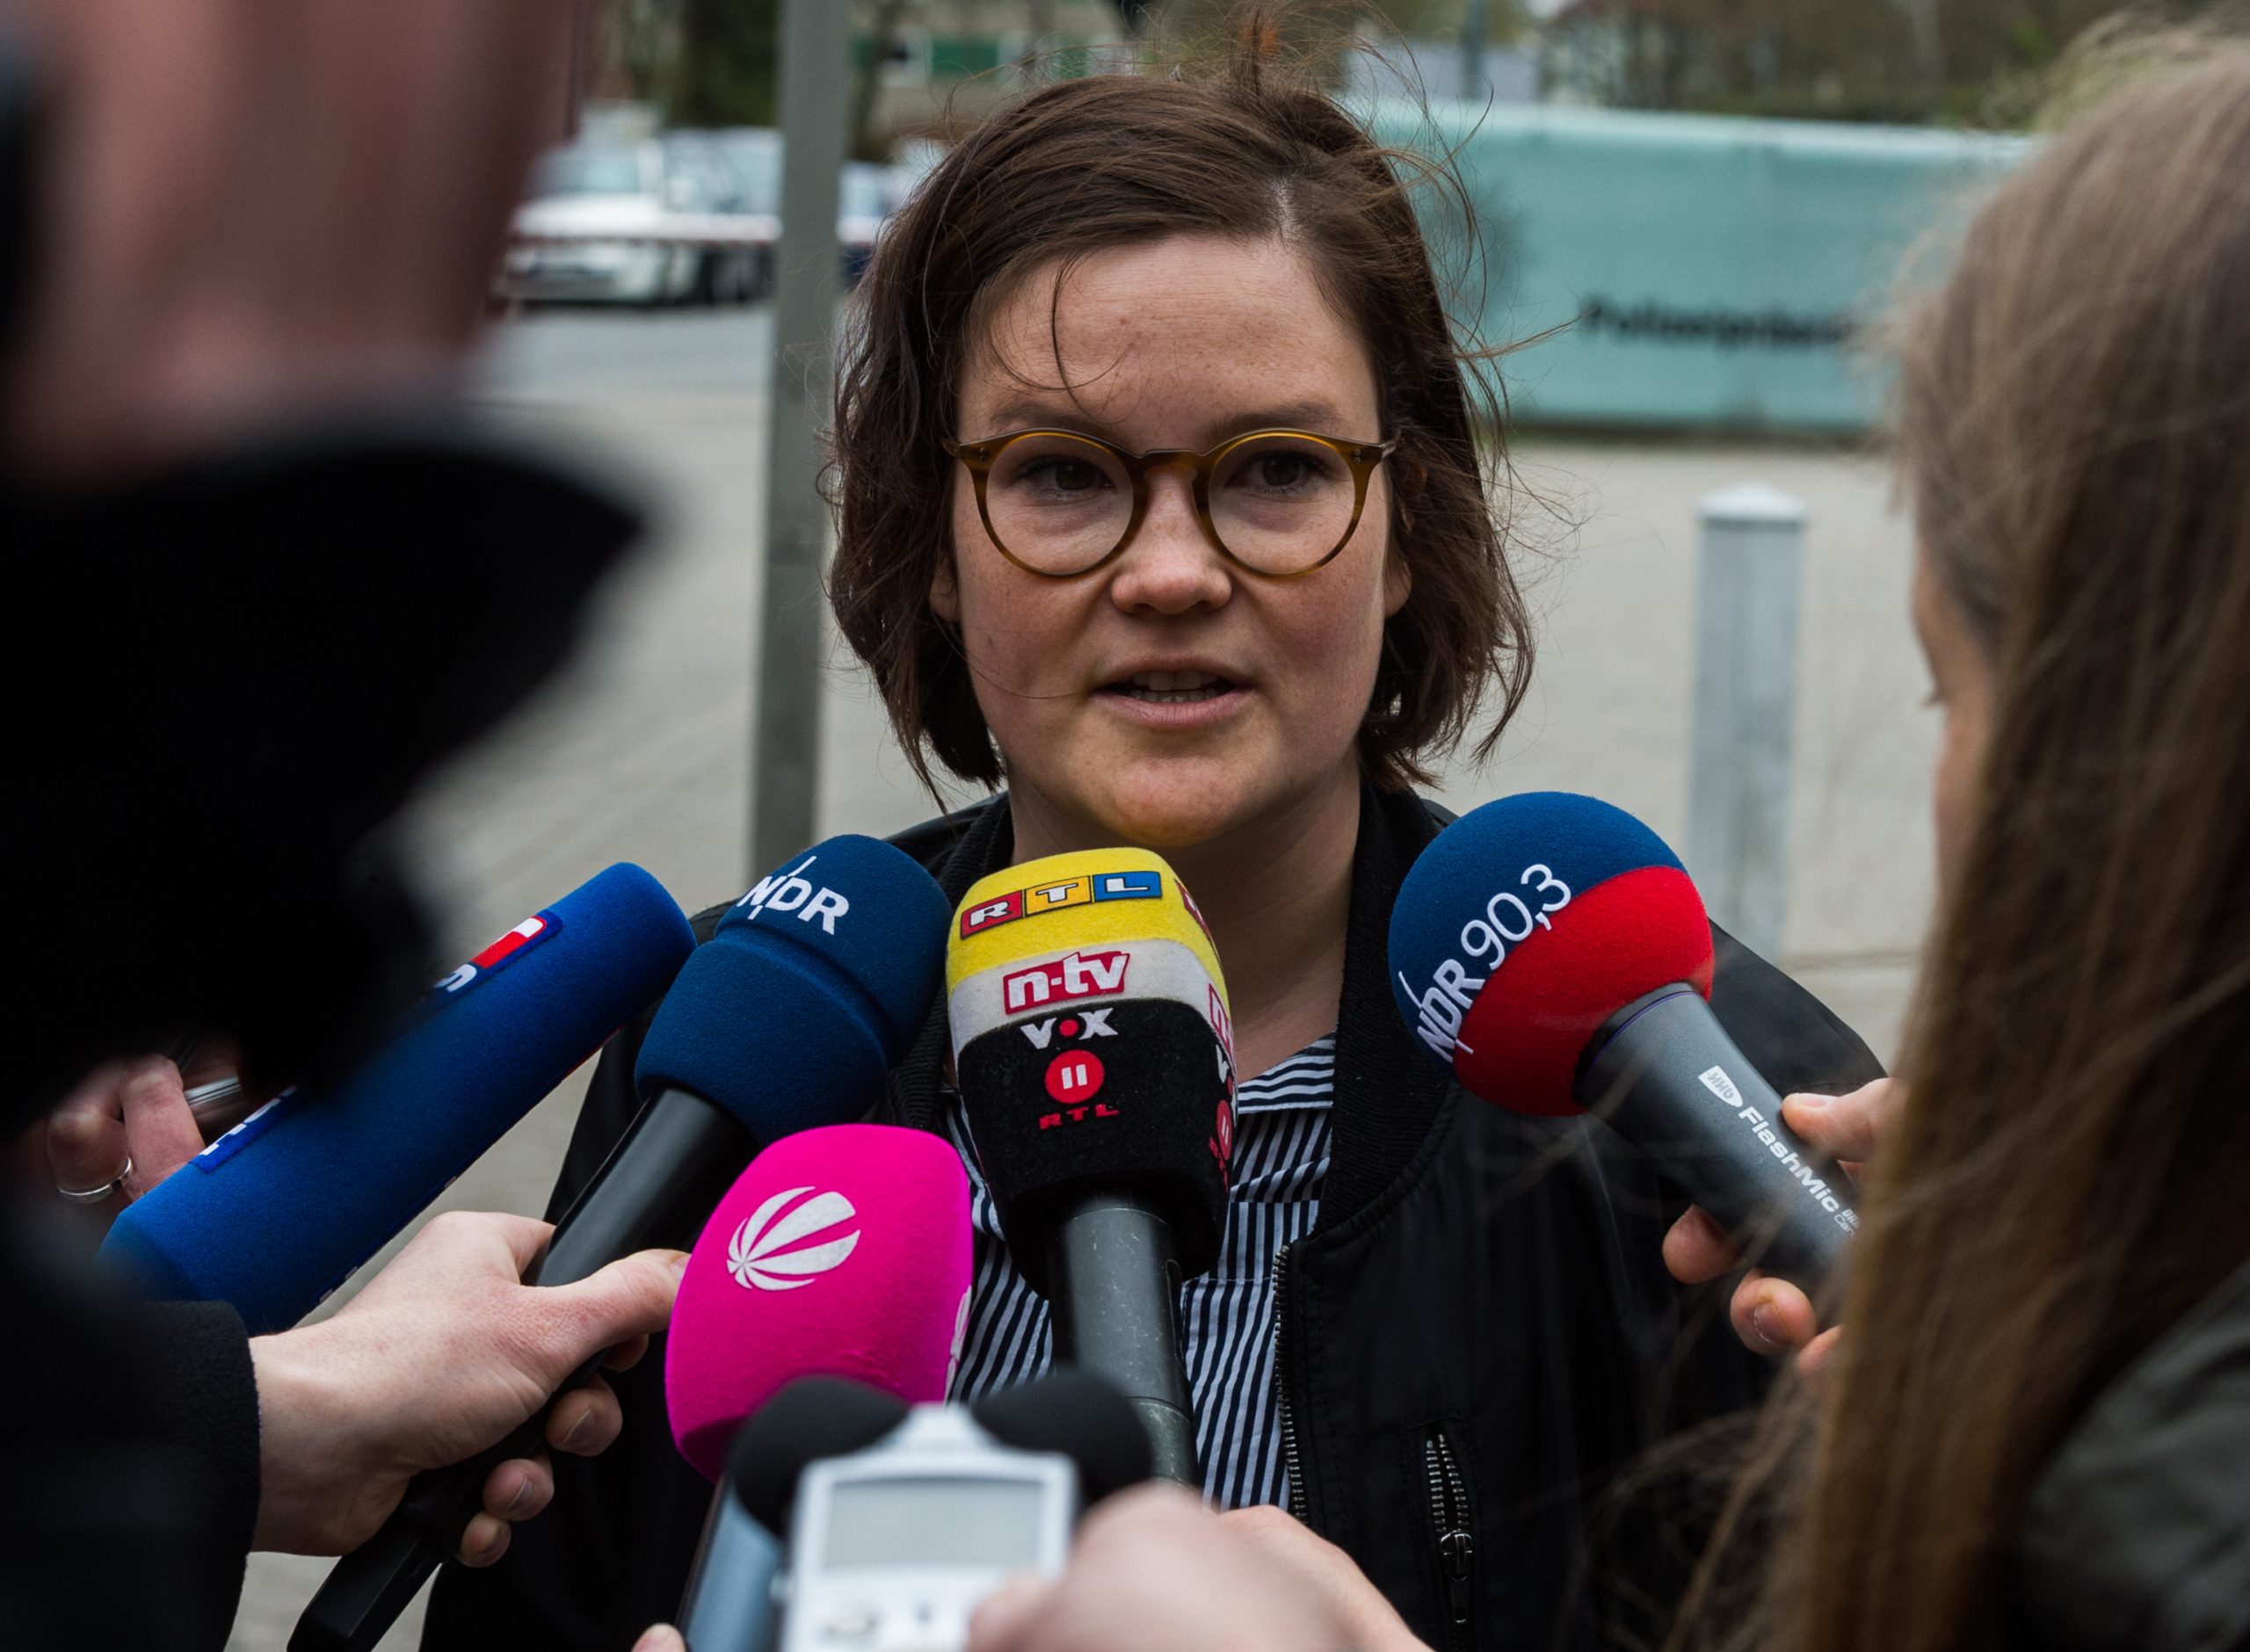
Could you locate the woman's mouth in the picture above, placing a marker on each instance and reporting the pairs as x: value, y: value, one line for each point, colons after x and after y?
x: 1172, y: 688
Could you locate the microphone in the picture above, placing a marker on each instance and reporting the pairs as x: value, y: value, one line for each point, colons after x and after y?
x: 1552, y: 954
x: 278, y: 1212
x: 842, y: 1251
x: 731, y: 1600
x: 789, y: 1017
x: 1095, y: 1058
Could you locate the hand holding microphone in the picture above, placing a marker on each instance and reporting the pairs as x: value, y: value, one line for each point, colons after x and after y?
x: 788, y: 1017
x: 1551, y: 952
x: 1769, y: 1314
x: 441, y: 1355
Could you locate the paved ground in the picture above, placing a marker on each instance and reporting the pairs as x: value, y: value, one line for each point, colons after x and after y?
x: 639, y: 753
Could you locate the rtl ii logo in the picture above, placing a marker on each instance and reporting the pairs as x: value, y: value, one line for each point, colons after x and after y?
x: 1074, y: 1079
x: 1073, y: 975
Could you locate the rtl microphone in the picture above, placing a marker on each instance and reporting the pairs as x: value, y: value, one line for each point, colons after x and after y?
x: 1552, y: 953
x: 789, y: 1017
x: 278, y: 1212
x: 1095, y: 1058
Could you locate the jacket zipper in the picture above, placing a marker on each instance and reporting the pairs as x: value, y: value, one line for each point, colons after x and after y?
x: 1290, y: 1460
x: 1450, y: 1519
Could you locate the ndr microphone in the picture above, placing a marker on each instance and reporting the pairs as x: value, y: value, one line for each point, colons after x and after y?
x: 275, y: 1214
x: 1095, y: 1057
x: 790, y: 1016
x: 1551, y: 951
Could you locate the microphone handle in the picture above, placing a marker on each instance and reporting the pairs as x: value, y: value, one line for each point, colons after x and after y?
x: 1663, y: 1073
x: 1113, y: 1302
x: 682, y: 1154
x: 729, y: 1604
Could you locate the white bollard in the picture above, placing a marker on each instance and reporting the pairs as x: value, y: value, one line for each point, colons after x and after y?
x: 1751, y: 561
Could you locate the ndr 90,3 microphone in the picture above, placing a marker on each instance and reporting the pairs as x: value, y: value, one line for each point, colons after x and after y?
x: 789, y: 1017
x: 1095, y: 1056
x: 1552, y: 954
x: 276, y: 1212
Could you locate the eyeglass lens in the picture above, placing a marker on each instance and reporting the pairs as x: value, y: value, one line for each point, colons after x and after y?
x: 1280, y: 504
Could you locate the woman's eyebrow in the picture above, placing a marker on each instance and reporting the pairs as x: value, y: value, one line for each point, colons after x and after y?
x: 1319, y: 418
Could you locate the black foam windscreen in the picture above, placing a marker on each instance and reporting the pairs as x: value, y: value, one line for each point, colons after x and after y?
x: 811, y: 1419
x: 1080, y: 1415
x: 1134, y: 1096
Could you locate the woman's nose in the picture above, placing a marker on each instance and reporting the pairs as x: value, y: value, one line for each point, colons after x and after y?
x: 1171, y: 567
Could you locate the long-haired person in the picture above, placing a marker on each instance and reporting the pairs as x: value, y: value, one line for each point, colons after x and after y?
x: 1421, y: 1339
x: 2036, y: 1422
x: 2032, y: 1429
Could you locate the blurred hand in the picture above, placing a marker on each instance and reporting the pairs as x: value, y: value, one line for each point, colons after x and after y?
x: 255, y: 208
x: 1155, y: 1571
x: 660, y: 1638
x: 1326, y: 1575
x: 443, y: 1353
x: 1771, y: 1315
x: 133, y: 1112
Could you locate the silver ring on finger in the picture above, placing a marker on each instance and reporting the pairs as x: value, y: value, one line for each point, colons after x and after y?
x: 97, y: 1195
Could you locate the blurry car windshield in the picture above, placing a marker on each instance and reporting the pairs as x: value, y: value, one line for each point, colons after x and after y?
x: 864, y: 190
x: 590, y: 172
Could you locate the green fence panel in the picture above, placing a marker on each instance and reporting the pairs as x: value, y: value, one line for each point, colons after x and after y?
x: 1706, y: 272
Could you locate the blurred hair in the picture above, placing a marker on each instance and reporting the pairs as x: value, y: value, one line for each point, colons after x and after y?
x: 2062, y: 1182
x: 1256, y: 152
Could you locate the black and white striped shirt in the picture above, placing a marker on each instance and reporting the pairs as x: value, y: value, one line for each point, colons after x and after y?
x: 1281, y: 1159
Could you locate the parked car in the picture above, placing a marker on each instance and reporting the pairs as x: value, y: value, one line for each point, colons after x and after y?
x: 587, y: 231
x: 729, y: 273
x: 866, y: 194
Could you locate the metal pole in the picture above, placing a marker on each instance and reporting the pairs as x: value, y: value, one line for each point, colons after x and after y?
x: 1472, y: 49
x: 1746, y: 701
x: 785, y: 734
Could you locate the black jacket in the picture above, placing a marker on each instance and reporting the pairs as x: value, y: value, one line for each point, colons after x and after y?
x: 2138, y: 1532
x: 1479, y: 1331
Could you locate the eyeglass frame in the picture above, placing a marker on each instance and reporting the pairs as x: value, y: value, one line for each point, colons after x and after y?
x: 1359, y: 458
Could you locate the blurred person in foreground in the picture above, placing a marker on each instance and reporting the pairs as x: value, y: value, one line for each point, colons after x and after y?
x: 2031, y: 1427
x: 264, y: 575
x: 1172, y: 499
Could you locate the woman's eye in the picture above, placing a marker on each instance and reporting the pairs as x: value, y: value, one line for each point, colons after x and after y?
x: 1283, y: 472
x: 1063, y: 475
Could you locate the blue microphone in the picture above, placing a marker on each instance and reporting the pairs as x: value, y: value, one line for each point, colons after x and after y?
x: 278, y: 1212
x: 790, y: 1016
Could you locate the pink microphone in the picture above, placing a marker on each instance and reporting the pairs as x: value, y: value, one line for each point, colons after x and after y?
x: 842, y: 1251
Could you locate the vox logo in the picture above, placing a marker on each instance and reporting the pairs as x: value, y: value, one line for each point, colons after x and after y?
x: 1087, y: 1024
x: 1073, y: 975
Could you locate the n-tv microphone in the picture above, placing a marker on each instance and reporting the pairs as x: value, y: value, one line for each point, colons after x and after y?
x: 279, y: 1211
x: 1552, y: 953
x: 790, y: 1016
x: 1095, y: 1058
x: 843, y: 1252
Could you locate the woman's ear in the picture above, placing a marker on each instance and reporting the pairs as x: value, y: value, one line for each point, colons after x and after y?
x: 1398, y: 582
x: 945, y: 596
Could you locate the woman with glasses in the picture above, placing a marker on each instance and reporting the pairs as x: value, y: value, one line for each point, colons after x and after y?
x: 1168, y: 503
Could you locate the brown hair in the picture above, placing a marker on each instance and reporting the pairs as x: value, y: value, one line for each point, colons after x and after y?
x: 2064, y: 1180
x: 1117, y: 160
